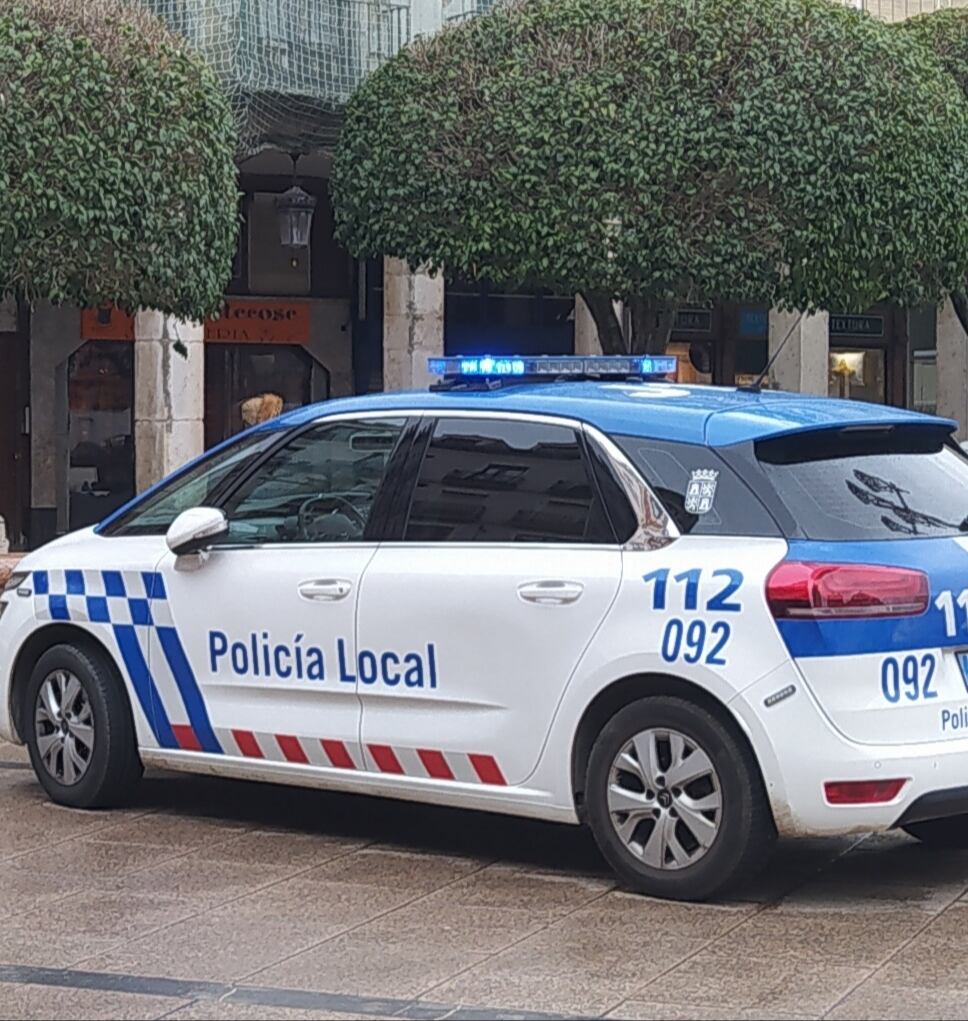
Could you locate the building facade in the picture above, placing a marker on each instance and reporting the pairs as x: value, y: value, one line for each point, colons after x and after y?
x: 96, y: 405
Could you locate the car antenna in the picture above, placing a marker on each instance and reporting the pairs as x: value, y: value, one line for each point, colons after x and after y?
x: 757, y: 385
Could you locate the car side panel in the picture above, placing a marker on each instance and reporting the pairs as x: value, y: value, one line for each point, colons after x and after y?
x: 693, y: 611
x: 70, y: 583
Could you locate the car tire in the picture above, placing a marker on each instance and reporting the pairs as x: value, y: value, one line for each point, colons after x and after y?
x: 78, y: 728
x: 951, y: 832
x: 674, y: 842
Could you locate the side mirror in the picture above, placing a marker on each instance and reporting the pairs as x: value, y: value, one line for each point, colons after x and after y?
x: 196, y: 529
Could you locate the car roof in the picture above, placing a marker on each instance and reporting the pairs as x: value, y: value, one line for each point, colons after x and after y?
x: 705, y: 415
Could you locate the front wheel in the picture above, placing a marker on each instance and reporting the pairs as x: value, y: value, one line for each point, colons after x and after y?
x: 676, y: 802
x: 79, y: 730
x: 951, y: 832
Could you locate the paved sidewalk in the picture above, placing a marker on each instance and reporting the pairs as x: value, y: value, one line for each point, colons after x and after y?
x: 220, y: 899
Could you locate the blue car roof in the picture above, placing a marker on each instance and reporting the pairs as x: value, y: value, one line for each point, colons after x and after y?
x: 707, y: 415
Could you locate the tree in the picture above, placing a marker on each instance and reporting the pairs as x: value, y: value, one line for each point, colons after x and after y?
x: 945, y: 33
x: 662, y: 152
x: 117, y: 173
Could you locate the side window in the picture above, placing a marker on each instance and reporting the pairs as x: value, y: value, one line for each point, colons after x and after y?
x: 194, y: 487
x: 485, y: 480
x: 320, y: 487
x: 702, y: 494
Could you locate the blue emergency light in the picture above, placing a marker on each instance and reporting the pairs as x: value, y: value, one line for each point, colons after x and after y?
x: 578, y: 366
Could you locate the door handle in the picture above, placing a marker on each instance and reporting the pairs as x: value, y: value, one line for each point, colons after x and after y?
x: 551, y: 593
x: 326, y: 590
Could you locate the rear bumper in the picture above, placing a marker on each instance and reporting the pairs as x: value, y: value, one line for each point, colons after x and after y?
x: 936, y: 805
x: 800, y: 750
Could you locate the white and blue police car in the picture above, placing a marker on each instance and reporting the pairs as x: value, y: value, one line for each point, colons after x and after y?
x: 689, y: 617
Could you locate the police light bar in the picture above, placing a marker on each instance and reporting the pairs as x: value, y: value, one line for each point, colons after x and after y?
x: 491, y: 367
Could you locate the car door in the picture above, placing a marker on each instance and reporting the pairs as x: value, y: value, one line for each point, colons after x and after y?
x: 252, y: 638
x: 471, y: 625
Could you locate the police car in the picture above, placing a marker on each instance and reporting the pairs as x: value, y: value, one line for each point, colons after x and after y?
x: 688, y: 617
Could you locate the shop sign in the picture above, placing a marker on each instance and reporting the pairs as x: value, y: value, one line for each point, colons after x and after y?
x: 694, y: 320
x: 260, y: 322
x: 856, y: 326
x: 106, y: 322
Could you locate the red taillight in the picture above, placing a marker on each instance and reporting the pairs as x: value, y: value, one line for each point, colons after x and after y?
x: 862, y: 792
x: 798, y: 589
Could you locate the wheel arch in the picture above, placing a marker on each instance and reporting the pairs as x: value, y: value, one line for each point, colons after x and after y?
x: 35, y: 646
x: 631, y: 688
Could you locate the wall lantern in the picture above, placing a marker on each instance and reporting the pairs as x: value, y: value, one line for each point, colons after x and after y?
x: 294, y: 211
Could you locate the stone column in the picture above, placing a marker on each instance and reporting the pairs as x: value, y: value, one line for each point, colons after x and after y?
x: 169, y: 395
x: 804, y: 361
x: 952, y: 368
x: 413, y: 325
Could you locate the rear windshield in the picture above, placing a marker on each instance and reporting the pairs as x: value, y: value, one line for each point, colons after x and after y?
x: 869, y: 484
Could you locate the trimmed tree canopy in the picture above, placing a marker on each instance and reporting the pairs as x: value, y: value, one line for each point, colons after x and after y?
x: 117, y: 174
x: 945, y: 33
x: 787, y: 152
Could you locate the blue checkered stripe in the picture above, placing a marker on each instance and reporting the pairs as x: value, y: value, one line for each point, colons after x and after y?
x: 134, y: 606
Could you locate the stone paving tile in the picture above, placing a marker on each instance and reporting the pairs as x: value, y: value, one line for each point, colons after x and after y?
x: 98, y: 859
x: 693, y: 921
x: 236, y: 939
x: 169, y: 831
x: 364, y: 965
x: 402, y: 870
x: 935, y: 959
x: 50, y: 1003
x: 739, y: 981
x: 483, y: 930
x: 547, y: 895
x: 205, y: 883
x: 837, y: 936
x: 277, y: 847
x: 572, y: 967
x: 207, y: 1010
x: 876, y: 1001
x: 62, y: 932
x: 645, y: 1010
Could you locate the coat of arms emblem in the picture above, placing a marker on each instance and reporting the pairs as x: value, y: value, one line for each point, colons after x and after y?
x: 701, y: 490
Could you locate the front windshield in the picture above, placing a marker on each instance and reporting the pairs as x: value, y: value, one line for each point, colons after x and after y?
x: 192, y: 488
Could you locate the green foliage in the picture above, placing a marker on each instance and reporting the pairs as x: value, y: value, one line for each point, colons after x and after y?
x: 117, y: 173
x: 946, y: 33
x: 789, y: 152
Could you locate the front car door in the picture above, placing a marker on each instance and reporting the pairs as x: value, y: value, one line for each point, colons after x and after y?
x: 255, y: 639
x: 471, y: 626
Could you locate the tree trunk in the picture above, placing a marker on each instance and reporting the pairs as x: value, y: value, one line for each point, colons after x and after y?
x: 961, y: 308
x: 651, y: 327
x: 606, y: 322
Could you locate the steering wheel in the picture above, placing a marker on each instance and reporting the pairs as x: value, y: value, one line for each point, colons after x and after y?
x: 314, y: 527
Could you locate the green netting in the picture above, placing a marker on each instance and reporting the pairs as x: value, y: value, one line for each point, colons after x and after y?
x: 290, y: 65
x: 898, y: 10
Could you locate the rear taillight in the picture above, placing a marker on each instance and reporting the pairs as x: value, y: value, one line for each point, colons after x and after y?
x: 862, y: 792
x: 805, y: 590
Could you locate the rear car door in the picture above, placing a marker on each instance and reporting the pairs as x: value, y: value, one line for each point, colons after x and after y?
x: 248, y: 640
x: 472, y: 622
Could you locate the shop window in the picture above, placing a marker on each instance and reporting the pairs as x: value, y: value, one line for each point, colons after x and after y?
x: 858, y: 373
x: 246, y: 383
x: 100, y: 433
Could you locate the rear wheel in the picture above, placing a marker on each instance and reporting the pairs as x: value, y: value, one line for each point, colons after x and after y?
x: 951, y: 832
x: 78, y: 729
x: 676, y: 803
